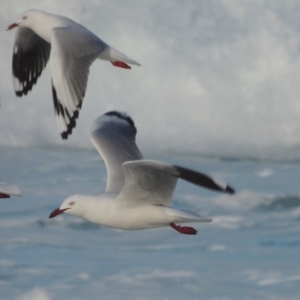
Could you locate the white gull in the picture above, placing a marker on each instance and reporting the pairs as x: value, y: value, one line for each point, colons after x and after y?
x: 7, y: 190
x: 71, y: 47
x: 138, y: 192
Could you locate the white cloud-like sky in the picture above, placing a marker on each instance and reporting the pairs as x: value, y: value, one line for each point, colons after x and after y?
x: 218, y: 77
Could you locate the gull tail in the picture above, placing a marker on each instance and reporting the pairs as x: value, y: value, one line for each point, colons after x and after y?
x: 117, y: 58
x: 184, y: 216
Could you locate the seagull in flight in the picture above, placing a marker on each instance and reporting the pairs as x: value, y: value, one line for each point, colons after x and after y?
x: 139, y: 192
x: 71, y: 49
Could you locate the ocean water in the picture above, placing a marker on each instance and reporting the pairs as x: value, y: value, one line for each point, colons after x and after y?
x: 251, y: 250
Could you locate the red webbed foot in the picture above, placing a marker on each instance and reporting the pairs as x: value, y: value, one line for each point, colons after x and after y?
x: 184, y: 229
x: 120, y: 64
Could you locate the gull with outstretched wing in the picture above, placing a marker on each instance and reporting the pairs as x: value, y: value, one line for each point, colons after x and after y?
x: 138, y: 192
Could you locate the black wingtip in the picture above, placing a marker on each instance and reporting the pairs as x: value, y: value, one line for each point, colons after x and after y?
x: 64, y: 135
x: 122, y: 116
x: 230, y: 190
x: 60, y: 110
x: 28, y: 62
x: 203, y: 180
x: 70, y: 126
x: 19, y: 93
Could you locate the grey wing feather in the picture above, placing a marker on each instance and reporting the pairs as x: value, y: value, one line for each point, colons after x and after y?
x: 30, y: 56
x: 113, y: 134
x: 148, y: 182
x: 72, y: 54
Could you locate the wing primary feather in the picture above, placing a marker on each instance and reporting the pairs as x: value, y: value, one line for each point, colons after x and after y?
x: 203, y: 180
x: 30, y: 56
x: 70, y: 122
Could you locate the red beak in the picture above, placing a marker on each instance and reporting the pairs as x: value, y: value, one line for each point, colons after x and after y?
x: 2, y: 196
x: 57, y: 212
x: 13, y: 25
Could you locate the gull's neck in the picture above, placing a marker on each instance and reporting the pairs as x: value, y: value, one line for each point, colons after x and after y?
x: 98, y: 209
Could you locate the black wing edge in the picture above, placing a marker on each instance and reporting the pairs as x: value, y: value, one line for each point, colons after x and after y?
x: 203, y: 180
x: 60, y: 110
x: 122, y: 116
x: 28, y: 64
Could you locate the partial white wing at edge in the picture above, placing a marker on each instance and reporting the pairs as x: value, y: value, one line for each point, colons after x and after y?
x: 7, y: 190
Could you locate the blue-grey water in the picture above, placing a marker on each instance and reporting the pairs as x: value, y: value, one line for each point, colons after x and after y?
x: 251, y: 250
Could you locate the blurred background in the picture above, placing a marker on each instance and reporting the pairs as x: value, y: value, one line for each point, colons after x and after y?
x: 218, y: 77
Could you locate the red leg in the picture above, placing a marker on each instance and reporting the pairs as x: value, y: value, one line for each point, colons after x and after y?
x: 184, y: 229
x: 120, y: 64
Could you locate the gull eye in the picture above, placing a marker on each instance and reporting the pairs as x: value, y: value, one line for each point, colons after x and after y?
x: 72, y: 203
x: 24, y: 18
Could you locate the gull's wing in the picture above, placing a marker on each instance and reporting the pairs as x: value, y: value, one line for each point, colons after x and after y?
x: 7, y: 190
x: 152, y: 182
x: 113, y: 134
x: 72, y: 53
x: 30, y: 56
x: 148, y: 182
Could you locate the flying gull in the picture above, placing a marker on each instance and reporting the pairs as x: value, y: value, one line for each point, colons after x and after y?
x: 138, y: 192
x: 71, y: 47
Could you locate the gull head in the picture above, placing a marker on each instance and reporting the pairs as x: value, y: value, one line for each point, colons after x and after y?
x: 26, y: 19
x: 72, y: 205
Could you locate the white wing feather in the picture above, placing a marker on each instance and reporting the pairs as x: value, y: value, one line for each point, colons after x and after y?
x: 113, y: 134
